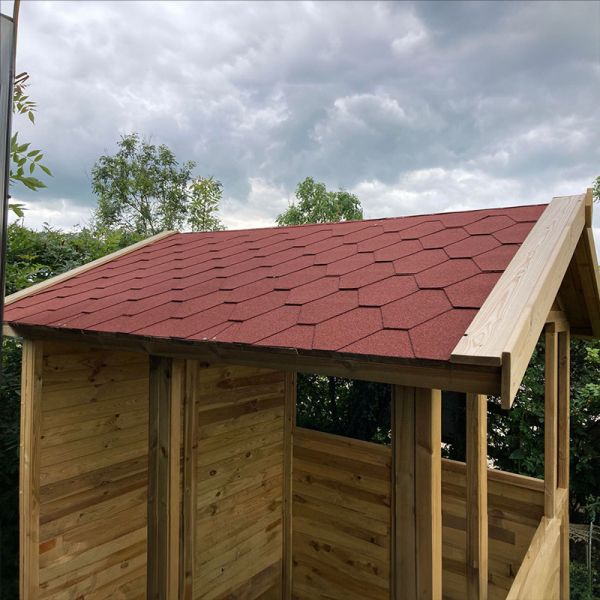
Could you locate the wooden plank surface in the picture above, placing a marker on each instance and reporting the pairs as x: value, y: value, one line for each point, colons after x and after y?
x: 550, y: 422
x: 477, y: 492
x: 29, y: 482
x: 342, y: 517
x: 93, y: 494
x: 404, y: 574
x: 428, y: 493
x: 289, y: 425
x: 506, y: 328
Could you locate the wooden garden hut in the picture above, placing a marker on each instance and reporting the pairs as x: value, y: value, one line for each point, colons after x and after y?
x: 159, y: 452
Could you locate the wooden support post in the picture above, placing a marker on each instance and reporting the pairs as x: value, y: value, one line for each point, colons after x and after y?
x: 477, y: 512
x: 564, y: 401
x: 417, y: 494
x: 403, y: 555
x: 289, y: 425
x: 29, y: 476
x: 428, y: 493
x: 550, y: 422
x: 167, y: 384
x: 190, y: 474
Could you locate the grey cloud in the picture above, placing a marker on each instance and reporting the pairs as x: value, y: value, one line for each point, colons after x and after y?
x: 376, y: 97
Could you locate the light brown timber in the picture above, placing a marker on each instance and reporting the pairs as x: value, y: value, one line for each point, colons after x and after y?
x: 289, y: 424
x: 550, y: 423
x: 506, y: 328
x: 428, y: 493
x: 29, y: 484
x: 477, y: 509
x: 403, y: 554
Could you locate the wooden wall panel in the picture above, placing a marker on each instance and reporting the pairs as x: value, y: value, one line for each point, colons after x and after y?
x: 341, y: 518
x: 93, y: 473
x: 239, y: 483
x: 341, y: 521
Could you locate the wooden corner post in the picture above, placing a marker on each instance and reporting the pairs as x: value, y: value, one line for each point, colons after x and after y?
x: 477, y: 511
x: 166, y: 390
x: 550, y: 422
x: 417, y: 494
x: 289, y: 425
x: 564, y: 438
x: 29, y: 474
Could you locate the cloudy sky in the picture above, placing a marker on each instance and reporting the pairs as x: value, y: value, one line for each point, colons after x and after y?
x: 415, y: 107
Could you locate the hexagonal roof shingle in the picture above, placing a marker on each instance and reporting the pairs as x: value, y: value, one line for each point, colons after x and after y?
x: 404, y: 287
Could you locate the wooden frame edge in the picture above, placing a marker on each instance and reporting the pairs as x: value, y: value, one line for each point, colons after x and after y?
x: 42, y: 285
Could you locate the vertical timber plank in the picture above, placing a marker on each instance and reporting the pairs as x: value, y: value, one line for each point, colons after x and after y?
x: 29, y: 474
x: 289, y: 425
x: 550, y: 422
x: 428, y: 493
x: 190, y: 469
x: 564, y: 438
x: 403, y: 555
x: 167, y: 382
x: 477, y: 511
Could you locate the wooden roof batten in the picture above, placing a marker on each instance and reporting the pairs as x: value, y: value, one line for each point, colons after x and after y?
x: 506, y: 329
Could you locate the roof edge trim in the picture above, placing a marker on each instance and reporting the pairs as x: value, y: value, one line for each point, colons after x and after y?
x: 506, y: 328
x: 42, y: 285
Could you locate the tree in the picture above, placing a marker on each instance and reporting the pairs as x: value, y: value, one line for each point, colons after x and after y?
x: 142, y: 189
x: 317, y: 205
x: 205, y: 196
x: 24, y: 160
x: 596, y: 189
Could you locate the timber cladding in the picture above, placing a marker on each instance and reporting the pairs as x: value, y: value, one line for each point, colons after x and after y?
x: 341, y: 518
x: 239, y: 498
x: 93, y: 473
x: 341, y: 521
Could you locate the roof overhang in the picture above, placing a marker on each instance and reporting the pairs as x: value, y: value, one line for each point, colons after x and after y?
x: 556, y: 260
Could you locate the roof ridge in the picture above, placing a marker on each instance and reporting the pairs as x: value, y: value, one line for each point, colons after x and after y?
x: 371, y: 220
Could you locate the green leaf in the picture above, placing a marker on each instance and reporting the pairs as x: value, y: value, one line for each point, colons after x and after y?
x: 31, y: 117
x: 33, y: 152
x: 46, y: 170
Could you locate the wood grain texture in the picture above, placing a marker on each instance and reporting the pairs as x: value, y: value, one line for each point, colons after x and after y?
x: 342, y: 518
x: 551, y: 422
x: 239, y: 483
x: 289, y: 425
x: 477, y: 493
x: 404, y: 574
x: 93, y: 494
x: 511, y: 319
x: 428, y: 493
x: 29, y: 482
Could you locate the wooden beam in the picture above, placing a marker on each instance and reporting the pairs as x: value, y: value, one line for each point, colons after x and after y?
x: 426, y: 374
x: 190, y: 474
x: 42, y: 285
x: 403, y: 554
x: 477, y: 511
x: 289, y: 424
x: 564, y: 438
x: 507, y: 327
x: 550, y: 423
x: 428, y: 493
x: 167, y: 383
x: 29, y: 472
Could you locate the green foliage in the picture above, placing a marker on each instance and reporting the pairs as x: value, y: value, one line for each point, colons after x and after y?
x: 579, y: 582
x: 596, y: 189
x: 24, y: 160
x: 142, y: 189
x: 356, y: 409
x: 317, y: 205
x: 205, y: 196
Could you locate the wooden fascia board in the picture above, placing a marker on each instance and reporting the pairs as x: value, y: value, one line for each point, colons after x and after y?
x: 506, y: 328
x: 42, y: 285
x: 427, y: 374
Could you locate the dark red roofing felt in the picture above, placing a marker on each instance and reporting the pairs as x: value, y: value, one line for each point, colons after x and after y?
x: 404, y: 287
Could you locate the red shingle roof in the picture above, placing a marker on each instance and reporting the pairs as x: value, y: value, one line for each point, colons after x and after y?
x: 404, y: 287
